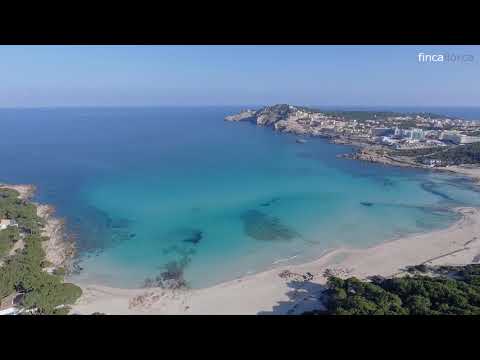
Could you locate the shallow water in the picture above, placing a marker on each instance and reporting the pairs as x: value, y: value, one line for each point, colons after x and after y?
x: 178, y: 191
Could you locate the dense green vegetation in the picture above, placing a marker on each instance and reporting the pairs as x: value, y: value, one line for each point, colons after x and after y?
x: 463, y: 154
x: 417, y: 152
x: 43, y: 292
x: 449, y: 155
x: 450, y: 290
x: 360, y: 115
x: 8, y: 237
x: 24, y: 213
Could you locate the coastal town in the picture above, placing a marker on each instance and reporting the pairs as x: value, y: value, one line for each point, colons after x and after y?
x: 404, y: 139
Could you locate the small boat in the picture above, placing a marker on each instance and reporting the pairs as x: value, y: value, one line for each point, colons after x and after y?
x: 301, y: 141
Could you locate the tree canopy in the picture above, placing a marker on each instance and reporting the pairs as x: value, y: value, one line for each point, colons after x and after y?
x: 24, y: 271
x: 450, y: 291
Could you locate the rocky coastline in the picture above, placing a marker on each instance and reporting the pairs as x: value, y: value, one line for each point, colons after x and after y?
x: 304, y: 122
x: 59, y: 247
x: 25, y: 192
x: 375, y: 155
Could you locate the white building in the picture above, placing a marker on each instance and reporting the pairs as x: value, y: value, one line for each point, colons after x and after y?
x: 388, y: 141
x: 398, y: 134
x: 4, y: 223
x: 8, y: 305
x: 417, y: 134
x: 433, y: 162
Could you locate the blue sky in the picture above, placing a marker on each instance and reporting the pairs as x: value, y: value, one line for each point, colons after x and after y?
x: 33, y: 76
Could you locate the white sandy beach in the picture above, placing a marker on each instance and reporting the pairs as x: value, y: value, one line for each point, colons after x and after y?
x: 269, y: 292
x: 472, y: 171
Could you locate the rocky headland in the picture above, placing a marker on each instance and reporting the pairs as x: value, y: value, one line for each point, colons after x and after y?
x: 282, y: 117
x: 358, y: 129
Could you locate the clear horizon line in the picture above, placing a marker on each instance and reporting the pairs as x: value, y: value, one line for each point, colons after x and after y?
x: 227, y: 105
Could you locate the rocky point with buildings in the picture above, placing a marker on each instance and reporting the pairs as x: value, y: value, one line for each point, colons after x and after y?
x: 385, y: 137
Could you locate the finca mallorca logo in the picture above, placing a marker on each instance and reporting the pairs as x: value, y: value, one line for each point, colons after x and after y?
x: 444, y: 58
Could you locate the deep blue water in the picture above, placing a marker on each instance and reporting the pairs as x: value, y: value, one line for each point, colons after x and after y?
x: 144, y: 189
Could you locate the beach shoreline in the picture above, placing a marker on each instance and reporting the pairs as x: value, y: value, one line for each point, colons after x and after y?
x: 283, y: 289
x: 293, y: 289
x: 268, y: 292
x: 471, y: 171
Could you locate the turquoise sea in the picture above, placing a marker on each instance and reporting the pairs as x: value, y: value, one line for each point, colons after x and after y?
x: 149, y: 189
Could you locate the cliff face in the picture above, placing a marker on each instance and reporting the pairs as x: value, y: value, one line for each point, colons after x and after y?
x: 272, y: 114
x: 281, y: 117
